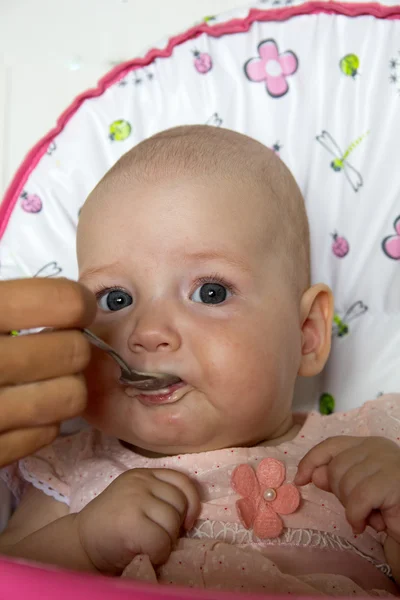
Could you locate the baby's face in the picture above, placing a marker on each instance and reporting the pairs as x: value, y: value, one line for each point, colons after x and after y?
x: 187, y: 285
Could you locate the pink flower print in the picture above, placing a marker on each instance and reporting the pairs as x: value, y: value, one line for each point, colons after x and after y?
x: 202, y: 61
x: 265, y: 497
x: 31, y: 203
x: 391, y: 244
x: 340, y: 246
x: 272, y: 67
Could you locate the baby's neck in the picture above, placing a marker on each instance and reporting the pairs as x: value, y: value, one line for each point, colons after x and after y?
x: 286, y: 437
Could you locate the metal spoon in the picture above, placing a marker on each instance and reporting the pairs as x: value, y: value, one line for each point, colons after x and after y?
x: 141, y: 381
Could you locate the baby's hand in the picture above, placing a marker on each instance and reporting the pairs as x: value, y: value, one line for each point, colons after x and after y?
x: 141, y: 512
x: 364, y: 474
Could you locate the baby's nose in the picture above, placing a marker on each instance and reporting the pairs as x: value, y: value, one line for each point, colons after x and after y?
x: 154, y: 335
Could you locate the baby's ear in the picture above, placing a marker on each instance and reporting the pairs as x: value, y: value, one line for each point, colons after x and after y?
x: 316, y: 310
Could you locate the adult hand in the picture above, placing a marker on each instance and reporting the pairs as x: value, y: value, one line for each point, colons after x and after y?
x: 41, y: 381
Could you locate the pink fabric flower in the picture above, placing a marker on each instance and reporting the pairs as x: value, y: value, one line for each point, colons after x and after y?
x: 272, y: 67
x: 265, y: 497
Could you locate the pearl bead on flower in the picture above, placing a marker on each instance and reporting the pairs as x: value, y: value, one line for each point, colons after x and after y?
x: 270, y: 494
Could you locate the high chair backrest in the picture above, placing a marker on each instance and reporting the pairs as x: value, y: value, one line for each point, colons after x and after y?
x: 319, y: 83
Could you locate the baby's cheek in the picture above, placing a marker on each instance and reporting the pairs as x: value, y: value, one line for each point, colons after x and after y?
x: 231, y: 344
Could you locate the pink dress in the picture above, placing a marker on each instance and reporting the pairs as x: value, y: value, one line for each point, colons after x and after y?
x: 316, y: 553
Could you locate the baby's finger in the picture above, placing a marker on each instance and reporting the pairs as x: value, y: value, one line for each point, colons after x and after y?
x: 322, y: 454
x: 182, y: 482
x: 164, y: 515
x: 376, y: 521
x: 172, y: 495
x: 355, y: 475
x: 320, y: 478
x: 368, y: 495
x: 156, y: 543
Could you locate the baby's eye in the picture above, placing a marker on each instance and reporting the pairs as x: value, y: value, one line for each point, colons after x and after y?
x: 211, y: 293
x: 114, y: 300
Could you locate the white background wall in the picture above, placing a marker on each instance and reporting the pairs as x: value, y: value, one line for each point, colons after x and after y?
x: 51, y: 50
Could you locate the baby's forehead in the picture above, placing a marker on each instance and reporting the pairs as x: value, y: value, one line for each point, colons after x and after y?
x: 237, y: 202
x: 210, y: 218
x: 217, y: 207
x: 210, y: 175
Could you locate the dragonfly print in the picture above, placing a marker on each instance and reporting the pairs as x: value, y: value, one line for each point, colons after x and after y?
x: 340, y: 159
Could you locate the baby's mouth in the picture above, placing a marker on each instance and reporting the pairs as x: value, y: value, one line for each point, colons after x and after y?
x: 166, y: 395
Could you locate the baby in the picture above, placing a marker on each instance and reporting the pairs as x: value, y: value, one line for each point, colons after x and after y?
x: 196, y: 245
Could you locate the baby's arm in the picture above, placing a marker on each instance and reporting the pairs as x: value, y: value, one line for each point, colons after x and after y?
x: 141, y: 512
x: 42, y: 530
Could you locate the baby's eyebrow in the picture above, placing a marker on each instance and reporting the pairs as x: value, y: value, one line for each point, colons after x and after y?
x: 234, y: 261
x: 203, y: 256
x: 103, y: 270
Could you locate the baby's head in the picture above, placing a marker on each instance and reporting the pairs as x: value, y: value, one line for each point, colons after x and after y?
x: 196, y: 243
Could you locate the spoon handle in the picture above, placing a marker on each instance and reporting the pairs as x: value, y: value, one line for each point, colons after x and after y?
x: 126, y: 369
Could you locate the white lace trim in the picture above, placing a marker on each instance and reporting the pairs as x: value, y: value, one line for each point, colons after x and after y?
x: 235, y: 533
x: 43, y: 486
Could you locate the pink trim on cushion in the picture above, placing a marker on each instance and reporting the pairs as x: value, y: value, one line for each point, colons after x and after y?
x: 234, y: 26
x: 22, y: 580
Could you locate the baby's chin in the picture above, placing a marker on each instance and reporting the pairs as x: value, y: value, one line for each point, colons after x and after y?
x: 170, y: 442
x: 163, y: 430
